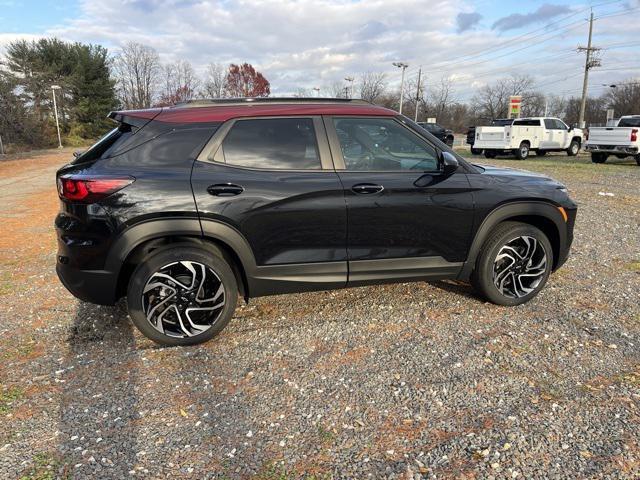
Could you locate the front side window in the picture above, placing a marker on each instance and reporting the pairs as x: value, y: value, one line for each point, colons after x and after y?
x: 381, y: 144
x: 560, y: 125
x: 549, y: 124
x: 272, y: 143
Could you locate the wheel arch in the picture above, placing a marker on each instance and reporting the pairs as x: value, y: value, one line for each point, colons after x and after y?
x: 542, y: 215
x: 140, y: 240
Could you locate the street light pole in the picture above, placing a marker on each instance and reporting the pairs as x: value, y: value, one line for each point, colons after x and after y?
x: 55, y: 109
x: 350, y: 80
x: 403, y: 66
x: 317, y: 89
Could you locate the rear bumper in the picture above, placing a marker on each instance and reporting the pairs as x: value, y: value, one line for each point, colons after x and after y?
x: 613, y: 149
x: 94, y: 286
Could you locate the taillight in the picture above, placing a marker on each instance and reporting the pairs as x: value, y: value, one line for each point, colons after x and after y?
x: 634, y: 135
x: 85, y: 189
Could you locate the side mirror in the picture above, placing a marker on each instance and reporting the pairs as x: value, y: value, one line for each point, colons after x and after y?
x: 449, y: 163
x: 77, y: 153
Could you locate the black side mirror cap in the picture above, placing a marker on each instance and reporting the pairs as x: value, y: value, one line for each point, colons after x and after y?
x: 449, y: 163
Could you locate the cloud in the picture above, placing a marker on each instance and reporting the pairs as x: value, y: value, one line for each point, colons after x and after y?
x: 518, y: 20
x: 467, y: 21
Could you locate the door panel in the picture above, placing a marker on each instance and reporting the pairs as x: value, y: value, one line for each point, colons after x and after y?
x: 404, y: 220
x: 395, y: 208
x: 287, y: 216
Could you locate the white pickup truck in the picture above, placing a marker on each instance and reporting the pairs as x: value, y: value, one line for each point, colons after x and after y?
x: 622, y: 140
x: 538, y: 134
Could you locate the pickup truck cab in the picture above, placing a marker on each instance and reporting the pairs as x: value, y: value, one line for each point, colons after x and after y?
x: 538, y: 134
x: 622, y: 140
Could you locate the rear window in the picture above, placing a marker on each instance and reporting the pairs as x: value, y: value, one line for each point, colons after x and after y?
x: 630, y: 122
x: 527, y: 123
x: 109, y: 142
x: 272, y: 143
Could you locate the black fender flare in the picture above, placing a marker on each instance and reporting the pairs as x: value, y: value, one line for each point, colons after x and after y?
x: 512, y: 210
x: 158, y: 228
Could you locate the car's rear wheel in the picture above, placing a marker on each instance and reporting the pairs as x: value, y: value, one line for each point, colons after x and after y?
x: 599, y: 157
x: 514, y: 264
x: 638, y: 159
x: 489, y: 154
x: 449, y: 140
x: 574, y: 148
x: 522, y: 152
x: 476, y: 151
x: 182, y: 295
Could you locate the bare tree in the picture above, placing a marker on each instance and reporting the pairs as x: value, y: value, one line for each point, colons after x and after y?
x: 213, y: 86
x: 625, y: 98
x: 336, y: 89
x: 180, y: 82
x: 440, y: 97
x: 492, y: 100
x: 372, y: 85
x: 136, y: 70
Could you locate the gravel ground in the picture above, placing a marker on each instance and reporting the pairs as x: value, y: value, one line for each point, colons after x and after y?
x: 419, y: 380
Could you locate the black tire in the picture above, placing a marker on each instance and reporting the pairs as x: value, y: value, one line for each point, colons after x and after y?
x: 541, y: 153
x: 522, y: 152
x: 574, y: 148
x: 489, y: 154
x: 637, y: 157
x: 218, y: 275
x: 599, y: 157
x: 476, y: 151
x: 505, y: 233
x: 449, y: 141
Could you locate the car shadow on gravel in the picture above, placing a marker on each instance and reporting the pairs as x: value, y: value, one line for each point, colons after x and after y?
x: 459, y: 288
x: 99, y: 404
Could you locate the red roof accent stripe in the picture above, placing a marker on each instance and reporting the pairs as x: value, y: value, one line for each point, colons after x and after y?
x: 219, y: 113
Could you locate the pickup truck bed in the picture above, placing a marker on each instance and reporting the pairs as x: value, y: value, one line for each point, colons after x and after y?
x: 621, y: 141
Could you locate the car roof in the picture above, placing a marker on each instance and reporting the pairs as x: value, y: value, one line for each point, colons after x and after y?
x: 221, y: 110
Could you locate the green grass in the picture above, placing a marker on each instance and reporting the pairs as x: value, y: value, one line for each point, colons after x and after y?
x: 46, y: 466
x: 634, y: 266
x: 8, y: 397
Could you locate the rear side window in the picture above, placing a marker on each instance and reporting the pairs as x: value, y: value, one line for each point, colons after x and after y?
x: 630, y: 122
x: 528, y: 123
x: 272, y: 143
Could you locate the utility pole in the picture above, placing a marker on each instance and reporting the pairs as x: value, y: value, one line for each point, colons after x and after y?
x: 415, y: 119
x: 589, y: 63
x: 403, y: 66
x: 350, y: 80
x: 55, y: 109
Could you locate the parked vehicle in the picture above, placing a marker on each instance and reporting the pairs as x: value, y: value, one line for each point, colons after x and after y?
x: 443, y: 134
x: 537, y: 134
x: 183, y: 209
x: 471, y: 133
x: 622, y: 140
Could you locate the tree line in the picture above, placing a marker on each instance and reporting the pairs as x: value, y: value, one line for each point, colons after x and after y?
x: 89, y: 83
x: 92, y: 82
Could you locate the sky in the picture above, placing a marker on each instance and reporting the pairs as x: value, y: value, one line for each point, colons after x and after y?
x: 314, y: 43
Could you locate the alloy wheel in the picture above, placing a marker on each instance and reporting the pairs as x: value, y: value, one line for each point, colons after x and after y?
x: 519, y: 267
x: 183, y: 299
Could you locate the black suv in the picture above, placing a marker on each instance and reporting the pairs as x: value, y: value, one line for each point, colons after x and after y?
x: 183, y: 209
x: 443, y: 134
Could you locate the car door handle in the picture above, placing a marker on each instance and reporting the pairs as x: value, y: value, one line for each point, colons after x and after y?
x: 366, y: 188
x: 224, y: 189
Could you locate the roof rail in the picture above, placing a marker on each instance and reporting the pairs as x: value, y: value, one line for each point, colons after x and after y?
x: 208, y: 102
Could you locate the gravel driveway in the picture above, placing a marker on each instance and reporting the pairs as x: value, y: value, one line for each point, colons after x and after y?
x: 418, y: 380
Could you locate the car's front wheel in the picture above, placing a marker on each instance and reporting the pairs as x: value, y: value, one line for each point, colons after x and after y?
x: 522, y: 152
x: 514, y: 264
x: 574, y: 148
x: 182, y: 295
